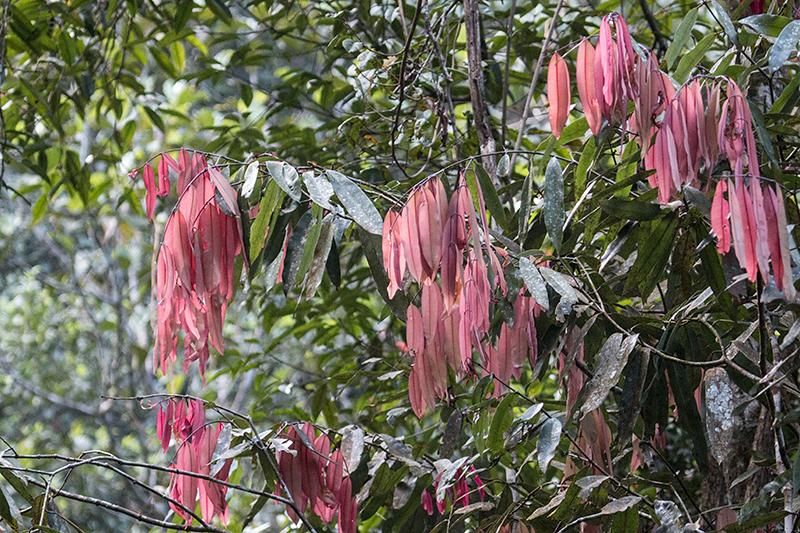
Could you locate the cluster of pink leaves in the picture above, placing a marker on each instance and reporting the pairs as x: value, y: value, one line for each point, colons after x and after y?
x: 195, y: 269
x: 196, y: 442
x: 431, y: 235
x: 754, y: 220
x: 316, y: 478
x: 690, y: 125
x: 458, y: 493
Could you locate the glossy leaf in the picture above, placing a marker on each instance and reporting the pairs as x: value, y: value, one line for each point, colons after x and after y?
x: 549, y: 437
x: 357, y: 204
x: 554, y: 202
x: 286, y: 177
x: 610, y: 361
x: 784, y: 46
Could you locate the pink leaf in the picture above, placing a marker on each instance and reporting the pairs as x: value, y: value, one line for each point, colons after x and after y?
x: 151, y: 191
x: 760, y: 219
x: 584, y: 77
x: 719, y: 218
x: 558, y: 93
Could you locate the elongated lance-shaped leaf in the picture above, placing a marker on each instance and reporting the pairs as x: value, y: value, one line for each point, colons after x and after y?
x: 310, y: 244
x: 554, y: 202
x: 501, y: 421
x: 725, y: 21
x: 524, y: 213
x: 549, y: 436
x: 785, y: 44
x: 294, y: 249
x: 316, y: 268
x: 622, y: 504
x: 250, y: 177
x: 693, y: 57
x: 534, y: 281
x: 629, y: 403
x: 352, y: 447
x: 608, y: 368
x: 286, y: 177
x: 267, y: 212
x: 357, y: 204
x: 489, y: 191
x: 682, y: 35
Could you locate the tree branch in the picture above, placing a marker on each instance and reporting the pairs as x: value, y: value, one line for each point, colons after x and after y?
x: 477, y: 90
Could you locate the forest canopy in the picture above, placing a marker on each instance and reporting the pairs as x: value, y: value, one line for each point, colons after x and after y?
x: 399, y: 265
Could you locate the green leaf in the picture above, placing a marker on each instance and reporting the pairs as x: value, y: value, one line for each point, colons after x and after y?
x: 711, y: 264
x: 796, y: 476
x: 549, y: 437
x: 766, y: 24
x: 534, y: 281
x: 501, y: 421
x: 8, y: 508
x: 785, y: 44
x: 688, y: 415
x: 357, y: 204
x: 261, y: 225
x: 17, y: 482
x: 246, y: 93
x: 569, y: 505
x: 40, y: 207
x: 627, y: 168
x: 323, y: 247
x: 493, y: 204
x: 693, y: 57
x: 503, y: 167
x: 725, y: 21
x: 250, y: 177
x: 610, y: 361
x: 220, y: 9
x: 630, y: 209
x: 654, y: 250
x: 573, y: 131
x: 788, y: 92
x: 311, y: 239
x: 629, y: 402
x: 155, y: 119
x: 286, y: 177
x: 524, y: 213
x: 761, y: 129
x: 582, y: 171
x: 682, y: 35
x: 294, y: 250
x: 626, y: 522
x: 554, y: 202
x: 620, y: 505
